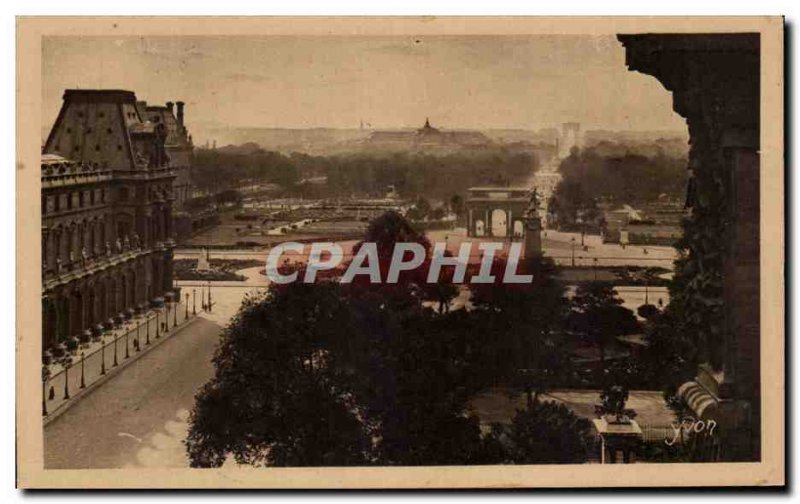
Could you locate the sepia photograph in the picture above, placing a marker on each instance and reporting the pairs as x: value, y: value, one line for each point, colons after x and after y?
x: 400, y: 252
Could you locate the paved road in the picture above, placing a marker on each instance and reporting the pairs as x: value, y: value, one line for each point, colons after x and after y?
x: 137, y: 418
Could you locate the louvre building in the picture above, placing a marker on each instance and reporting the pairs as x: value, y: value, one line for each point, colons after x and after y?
x: 108, y: 172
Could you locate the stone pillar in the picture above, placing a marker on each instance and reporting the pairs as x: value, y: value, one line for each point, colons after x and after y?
x: 715, y: 81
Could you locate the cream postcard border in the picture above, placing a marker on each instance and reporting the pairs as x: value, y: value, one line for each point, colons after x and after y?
x: 30, y: 471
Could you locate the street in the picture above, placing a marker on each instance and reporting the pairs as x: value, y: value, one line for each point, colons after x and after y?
x: 138, y: 418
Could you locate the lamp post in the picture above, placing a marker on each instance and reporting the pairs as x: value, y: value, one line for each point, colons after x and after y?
x: 138, y: 335
x: 187, y: 307
x: 573, y: 251
x: 102, y: 357
x: 203, y: 297
x: 115, y: 350
x: 127, y: 334
x: 175, y: 312
x: 209, y: 296
x: 66, y: 379
x: 158, y: 322
x: 194, y: 301
x: 45, y: 376
x: 167, y: 304
x: 595, y: 269
x: 147, y: 336
x: 83, y: 380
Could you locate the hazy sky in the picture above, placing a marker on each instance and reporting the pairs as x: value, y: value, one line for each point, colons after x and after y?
x: 300, y: 82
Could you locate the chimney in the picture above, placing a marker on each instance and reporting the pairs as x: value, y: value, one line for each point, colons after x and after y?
x: 170, y: 106
x: 180, y: 112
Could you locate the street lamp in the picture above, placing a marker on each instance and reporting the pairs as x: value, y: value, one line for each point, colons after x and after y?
x: 209, y: 296
x: 45, y: 376
x: 127, y: 334
x: 187, y: 307
x: 158, y: 322
x: 102, y: 357
x: 116, y: 337
x: 573, y: 251
x: 83, y: 380
x: 175, y: 311
x: 595, y: 269
x: 194, y: 299
x: 66, y: 378
x: 138, y: 335
x: 148, y: 328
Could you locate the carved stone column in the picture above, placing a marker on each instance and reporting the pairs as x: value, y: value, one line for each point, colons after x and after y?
x: 715, y: 82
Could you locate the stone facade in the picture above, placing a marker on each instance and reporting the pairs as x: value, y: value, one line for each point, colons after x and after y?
x: 107, y: 199
x: 715, y: 82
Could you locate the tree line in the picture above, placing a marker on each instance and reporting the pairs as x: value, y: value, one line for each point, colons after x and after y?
x: 410, y: 174
x: 597, y: 175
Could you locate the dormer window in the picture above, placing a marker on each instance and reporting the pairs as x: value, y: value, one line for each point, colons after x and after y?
x: 108, y: 130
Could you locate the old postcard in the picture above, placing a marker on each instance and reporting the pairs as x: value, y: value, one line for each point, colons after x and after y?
x: 400, y: 252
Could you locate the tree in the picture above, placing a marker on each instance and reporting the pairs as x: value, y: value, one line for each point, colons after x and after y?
x: 524, y: 326
x: 457, y: 204
x: 571, y: 206
x: 276, y: 397
x: 648, y: 312
x: 548, y: 433
x: 599, y: 317
x: 337, y: 374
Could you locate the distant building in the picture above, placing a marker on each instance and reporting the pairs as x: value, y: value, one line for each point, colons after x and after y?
x: 426, y: 138
x: 107, y: 198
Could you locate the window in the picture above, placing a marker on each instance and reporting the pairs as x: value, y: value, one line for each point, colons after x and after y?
x: 108, y: 130
x: 69, y: 130
x: 119, y: 147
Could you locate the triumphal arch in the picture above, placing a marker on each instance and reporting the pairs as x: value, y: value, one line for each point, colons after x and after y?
x: 497, y: 211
